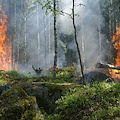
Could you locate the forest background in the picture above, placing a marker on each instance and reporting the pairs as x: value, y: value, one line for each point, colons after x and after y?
x: 31, y: 33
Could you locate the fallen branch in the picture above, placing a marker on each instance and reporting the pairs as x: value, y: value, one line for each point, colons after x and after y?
x: 38, y: 71
x: 109, y: 66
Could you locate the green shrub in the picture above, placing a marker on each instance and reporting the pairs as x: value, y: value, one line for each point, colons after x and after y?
x: 13, y: 74
x: 102, y: 101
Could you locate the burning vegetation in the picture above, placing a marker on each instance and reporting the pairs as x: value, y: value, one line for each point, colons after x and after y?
x: 5, y: 44
x: 116, y: 40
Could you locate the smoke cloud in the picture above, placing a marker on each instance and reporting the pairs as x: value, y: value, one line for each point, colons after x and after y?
x: 40, y: 35
x: 87, y: 28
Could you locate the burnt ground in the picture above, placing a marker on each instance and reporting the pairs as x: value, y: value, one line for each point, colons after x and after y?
x: 104, y: 71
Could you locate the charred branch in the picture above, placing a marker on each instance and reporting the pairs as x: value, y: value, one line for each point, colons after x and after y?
x: 109, y: 66
x: 38, y: 71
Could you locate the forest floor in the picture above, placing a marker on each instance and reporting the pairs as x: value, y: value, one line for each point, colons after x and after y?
x: 92, y: 101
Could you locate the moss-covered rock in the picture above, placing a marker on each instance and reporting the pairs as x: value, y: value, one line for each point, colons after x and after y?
x: 47, y: 93
x: 15, y: 104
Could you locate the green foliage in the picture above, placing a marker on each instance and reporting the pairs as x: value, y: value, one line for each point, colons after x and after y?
x: 3, y: 81
x: 48, y: 5
x: 102, y: 101
x: 14, y: 74
x: 65, y: 75
x: 62, y: 45
x: 7, y: 76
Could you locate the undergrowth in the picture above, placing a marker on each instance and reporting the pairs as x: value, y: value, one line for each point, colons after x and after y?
x: 9, y: 76
x: 99, y: 102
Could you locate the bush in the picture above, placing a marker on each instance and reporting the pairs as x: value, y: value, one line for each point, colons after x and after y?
x: 13, y: 74
x: 101, y: 101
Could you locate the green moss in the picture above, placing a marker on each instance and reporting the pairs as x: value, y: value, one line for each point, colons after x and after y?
x: 28, y: 115
x: 16, y: 104
x: 52, y: 88
x: 3, y: 81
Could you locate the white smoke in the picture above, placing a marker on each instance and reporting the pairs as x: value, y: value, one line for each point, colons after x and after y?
x: 87, y: 27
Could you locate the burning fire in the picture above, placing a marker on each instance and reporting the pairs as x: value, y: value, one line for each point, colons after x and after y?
x: 116, y: 40
x: 5, y: 45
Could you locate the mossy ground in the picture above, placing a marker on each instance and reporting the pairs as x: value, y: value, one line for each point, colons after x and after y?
x: 17, y: 105
x: 67, y: 75
x: 97, y: 101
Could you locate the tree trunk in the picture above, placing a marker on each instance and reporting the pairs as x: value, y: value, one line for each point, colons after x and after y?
x: 75, y: 32
x: 99, y: 32
x: 55, y: 41
x: 38, y: 34
x: 110, y: 33
x: 83, y: 45
x: 10, y: 35
x: 14, y: 41
x: 25, y: 19
x: 49, y: 37
x: 45, y: 40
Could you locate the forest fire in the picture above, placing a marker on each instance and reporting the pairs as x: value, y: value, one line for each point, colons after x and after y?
x: 116, y: 39
x: 5, y: 44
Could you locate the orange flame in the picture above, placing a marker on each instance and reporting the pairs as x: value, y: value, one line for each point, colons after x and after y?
x: 57, y: 67
x: 5, y: 45
x: 116, y: 40
x: 114, y: 73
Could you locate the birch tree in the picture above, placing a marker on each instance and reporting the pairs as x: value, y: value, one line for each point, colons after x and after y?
x: 75, y: 34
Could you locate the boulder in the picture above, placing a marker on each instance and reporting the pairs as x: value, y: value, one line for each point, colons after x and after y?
x: 94, y: 76
x: 46, y: 94
x: 15, y: 104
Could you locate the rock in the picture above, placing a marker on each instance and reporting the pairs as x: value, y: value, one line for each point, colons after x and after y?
x: 4, y: 88
x: 94, y: 76
x: 15, y: 104
x: 46, y: 95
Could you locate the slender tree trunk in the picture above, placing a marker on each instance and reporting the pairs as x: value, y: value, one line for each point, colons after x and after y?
x: 55, y: 41
x: 14, y: 41
x: 45, y: 31
x: 0, y: 2
x: 12, y: 38
x: 75, y: 32
x: 99, y: 32
x: 38, y: 34
x: 49, y: 37
x: 10, y: 35
x: 83, y: 44
x: 110, y: 33
x: 19, y: 35
x: 25, y: 19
